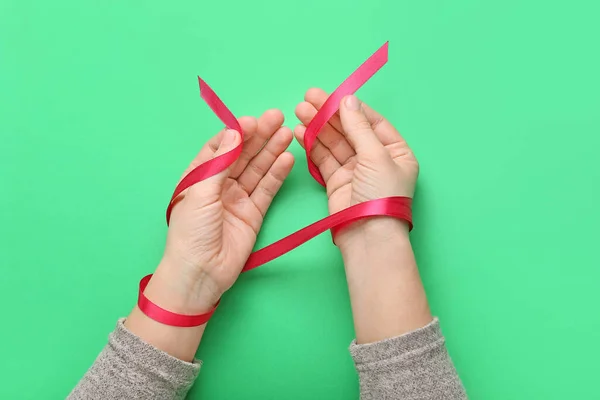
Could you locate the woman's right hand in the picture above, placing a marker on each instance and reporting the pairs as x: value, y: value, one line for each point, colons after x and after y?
x: 361, y: 157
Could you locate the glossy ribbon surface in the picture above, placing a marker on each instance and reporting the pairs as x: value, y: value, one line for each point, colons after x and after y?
x: 397, y: 207
x: 332, y: 104
x: 167, y: 317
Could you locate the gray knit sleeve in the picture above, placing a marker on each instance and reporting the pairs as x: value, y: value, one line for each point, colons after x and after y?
x: 415, y: 365
x: 129, y: 368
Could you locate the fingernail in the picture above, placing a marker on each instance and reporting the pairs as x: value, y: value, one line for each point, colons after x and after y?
x: 352, y: 103
x: 228, y: 137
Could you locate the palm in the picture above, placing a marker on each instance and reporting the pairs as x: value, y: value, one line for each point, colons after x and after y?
x: 353, y: 178
x: 358, y: 179
x: 241, y: 221
x: 215, y: 222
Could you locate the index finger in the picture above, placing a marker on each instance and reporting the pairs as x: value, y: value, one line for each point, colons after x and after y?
x: 384, y: 130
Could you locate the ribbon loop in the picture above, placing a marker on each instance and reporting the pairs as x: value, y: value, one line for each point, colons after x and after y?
x: 332, y: 104
x: 396, y: 207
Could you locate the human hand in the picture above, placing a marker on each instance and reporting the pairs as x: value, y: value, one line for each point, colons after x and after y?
x: 214, y: 224
x: 361, y: 157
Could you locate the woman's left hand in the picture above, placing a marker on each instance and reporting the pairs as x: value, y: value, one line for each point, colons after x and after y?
x: 215, y: 222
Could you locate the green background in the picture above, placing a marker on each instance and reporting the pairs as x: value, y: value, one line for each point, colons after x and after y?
x: 100, y: 113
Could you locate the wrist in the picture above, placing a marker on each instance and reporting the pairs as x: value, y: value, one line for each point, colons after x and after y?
x: 179, y: 290
x: 371, y: 234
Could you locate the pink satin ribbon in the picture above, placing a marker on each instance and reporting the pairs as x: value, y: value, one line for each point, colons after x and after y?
x: 332, y: 104
x: 167, y: 317
x: 397, y: 207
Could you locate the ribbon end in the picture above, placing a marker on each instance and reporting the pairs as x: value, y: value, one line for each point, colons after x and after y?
x: 384, y: 49
x: 201, y: 84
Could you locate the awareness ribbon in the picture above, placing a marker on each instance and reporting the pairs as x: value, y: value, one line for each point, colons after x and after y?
x: 397, y: 207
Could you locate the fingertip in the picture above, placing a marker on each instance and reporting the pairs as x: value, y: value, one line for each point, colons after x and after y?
x: 288, y: 158
x: 248, y: 124
x: 315, y: 96
x: 274, y: 114
x: 350, y: 102
x: 305, y: 112
x: 286, y: 134
x: 299, y: 130
x: 232, y: 138
x: 229, y: 140
x: 299, y: 133
x: 300, y: 108
x: 247, y: 120
x: 283, y: 138
x: 284, y: 164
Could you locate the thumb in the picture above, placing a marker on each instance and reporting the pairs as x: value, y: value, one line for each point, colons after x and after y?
x: 230, y: 140
x: 357, y: 127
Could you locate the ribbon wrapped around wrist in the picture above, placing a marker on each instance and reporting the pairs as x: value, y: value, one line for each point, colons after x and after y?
x: 167, y: 317
x: 396, y: 207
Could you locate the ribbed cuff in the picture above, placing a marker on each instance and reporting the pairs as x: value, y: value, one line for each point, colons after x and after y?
x: 135, y: 351
x: 416, y: 341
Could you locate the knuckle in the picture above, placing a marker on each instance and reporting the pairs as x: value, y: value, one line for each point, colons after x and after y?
x: 335, y: 142
x: 272, y: 184
x: 277, y: 177
x: 321, y: 158
x: 378, y: 120
x: 268, y: 190
x: 255, y: 168
x: 272, y: 154
x: 244, y: 187
x: 362, y: 125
